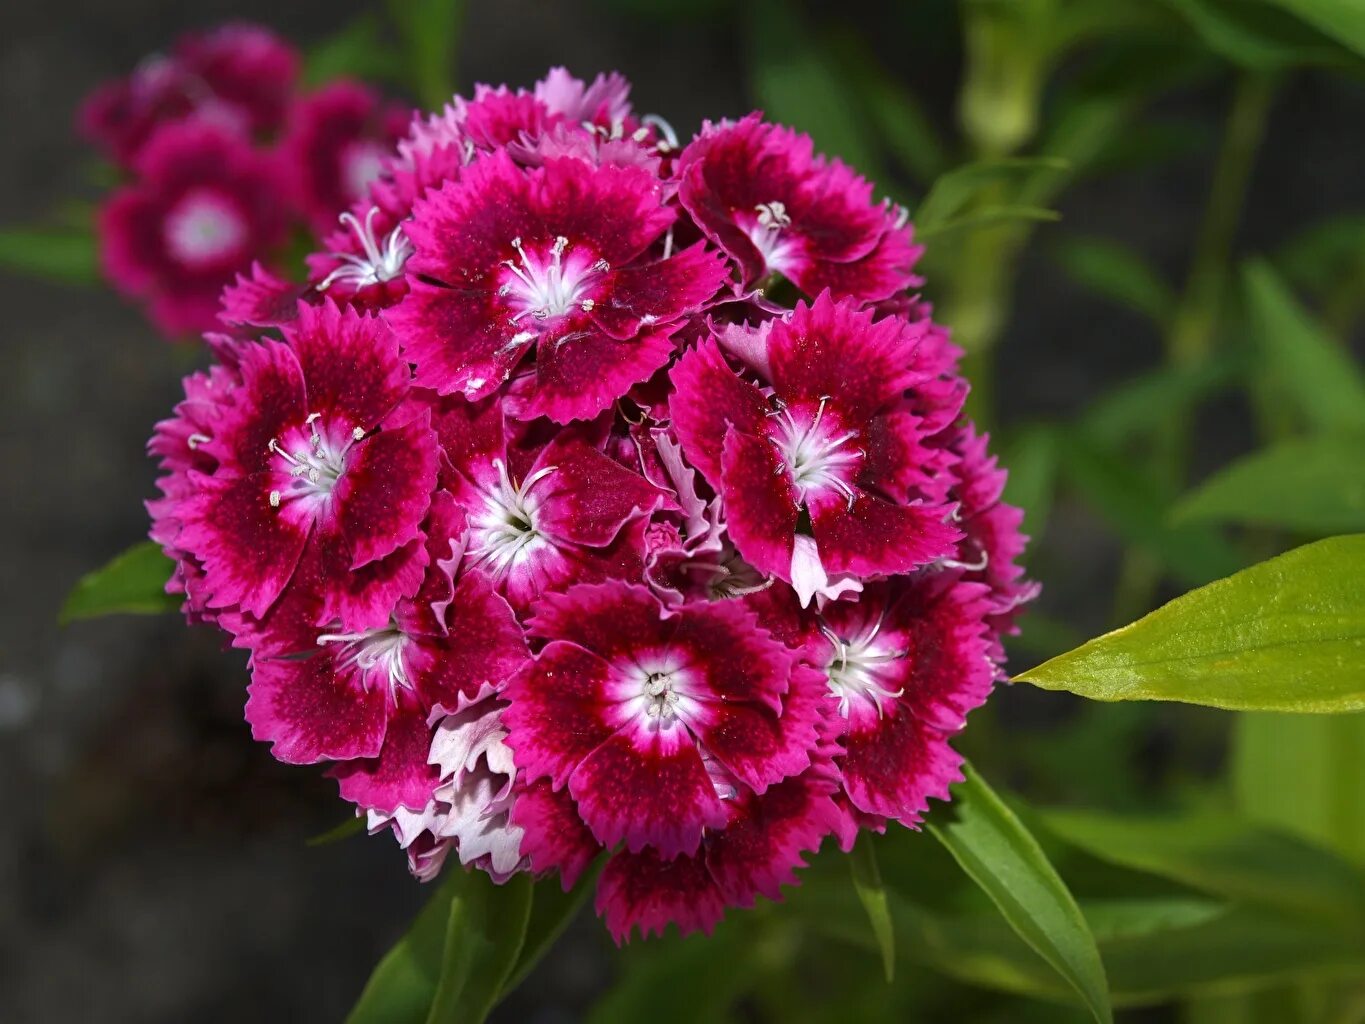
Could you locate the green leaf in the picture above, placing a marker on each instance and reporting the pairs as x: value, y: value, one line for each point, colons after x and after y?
x: 1285, y: 635
x: 56, y: 254
x: 1147, y: 402
x: 1223, y: 856
x: 347, y: 828
x: 133, y: 583
x: 1326, y: 255
x: 1303, y: 773
x: 1116, y: 273
x: 1315, y: 484
x: 484, y: 936
x: 796, y: 81
x: 1003, y: 858
x: 1316, y: 374
x: 1343, y: 20
x: 1257, y: 35
x: 955, y: 191
x: 430, y: 30
x: 451, y: 966
x: 985, y: 217
x: 356, y: 51
x: 1123, y: 919
x: 401, y: 987
x: 1137, y: 507
x: 551, y: 913
x: 867, y: 883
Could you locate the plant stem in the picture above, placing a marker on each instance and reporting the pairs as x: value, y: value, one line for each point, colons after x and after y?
x: 1194, y: 325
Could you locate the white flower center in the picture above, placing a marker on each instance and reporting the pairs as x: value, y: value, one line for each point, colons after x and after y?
x: 818, y: 457
x: 662, y: 688
x: 551, y: 282
x: 375, y: 653
x: 766, y: 232
x: 859, y: 667
x: 313, y: 467
x: 203, y: 229
x: 361, y: 163
x: 382, y: 261
x: 504, y: 533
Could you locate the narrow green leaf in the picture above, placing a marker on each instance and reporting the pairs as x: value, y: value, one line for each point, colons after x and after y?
x: 430, y: 30
x: 57, y: 254
x: 484, y: 936
x: 985, y: 217
x: 1343, y: 20
x: 1316, y: 485
x: 1257, y: 35
x: 955, y: 191
x: 796, y: 81
x: 1032, y: 481
x: 867, y: 883
x: 1137, y: 508
x: 1224, y: 856
x: 348, y: 828
x: 133, y: 583
x: 1326, y: 255
x: 1003, y: 858
x: 356, y: 51
x: 1316, y: 374
x: 401, y: 987
x: 1303, y: 773
x: 552, y: 910
x: 1123, y: 919
x: 1117, y: 273
x: 1146, y: 402
x: 1285, y: 635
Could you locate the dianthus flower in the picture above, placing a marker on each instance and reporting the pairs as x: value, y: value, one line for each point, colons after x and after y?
x: 556, y: 539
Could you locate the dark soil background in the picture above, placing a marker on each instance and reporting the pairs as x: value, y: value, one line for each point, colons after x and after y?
x: 153, y: 864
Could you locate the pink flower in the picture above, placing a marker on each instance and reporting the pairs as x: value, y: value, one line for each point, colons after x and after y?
x: 553, y: 261
x: 237, y: 76
x: 204, y: 206
x: 537, y: 518
x: 904, y: 665
x: 628, y: 702
x: 337, y: 143
x: 830, y: 437
x: 758, y: 191
x: 323, y: 473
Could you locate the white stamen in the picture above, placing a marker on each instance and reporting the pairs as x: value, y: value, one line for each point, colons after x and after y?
x: 669, y: 140
x: 858, y: 668
x: 505, y: 532
x: 546, y: 289
x: 195, y: 440
x: 816, y: 459
x: 380, y: 649
x: 381, y: 262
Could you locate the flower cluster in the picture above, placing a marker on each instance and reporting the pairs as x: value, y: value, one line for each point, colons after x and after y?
x: 222, y: 153
x: 557, y: 534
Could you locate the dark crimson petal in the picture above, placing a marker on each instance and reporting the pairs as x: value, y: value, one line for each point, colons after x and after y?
x: 882, y: 273
x: 610, y: 619
x: 556, y: 716
x: 580, y: 374
x: 660, y: 292
x: 260, y: 299
x: 707, y: 399
x: 589, y: 497
x: 647, y: 891
x: 713, y: 216
x: 400, y: 776
x: 470, y: 433
x: 760, y: 503
x: 737, y: 659
x: 270, y: 399
x: 647, y: 786
x: 350, y: 363
x: 894, y: 764
x: 484, y: 647
x: 555, y: 838
x: 309, y: 711
x: 618, y: 210
x: 453, y: 341
x: 385, y: 490
x: 761, y: 848
x: 360, y: 598
x: 898, y: 465
x: 247, y: 548
x: 834, y: 349
x: 875, y: 537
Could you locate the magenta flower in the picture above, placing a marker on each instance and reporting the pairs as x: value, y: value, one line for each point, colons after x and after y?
x: 628, y: 701
x: 205, y: 204
x: 760, y: 193
x: 237, y: 76
x: 321, y: 467
x: 539, y: 519
x: 830, y: 438
x: 553, y: 261
x: 336, y: 144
